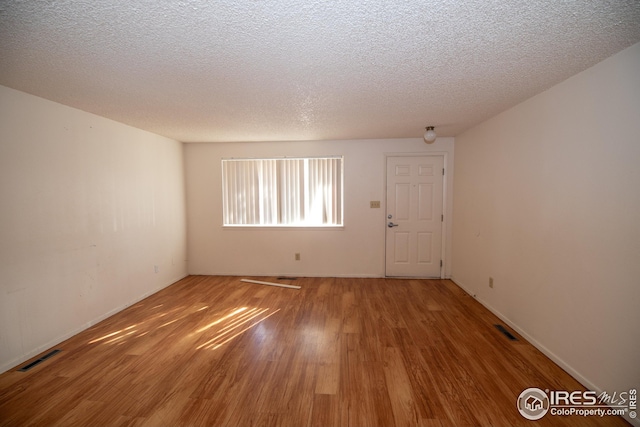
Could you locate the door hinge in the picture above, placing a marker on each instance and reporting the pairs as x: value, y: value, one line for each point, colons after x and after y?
x: 440, y: 263
x: 442, y: 218
x: 442, y: 171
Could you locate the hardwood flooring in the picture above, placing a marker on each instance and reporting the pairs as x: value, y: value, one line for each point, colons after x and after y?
x: 213, y: 351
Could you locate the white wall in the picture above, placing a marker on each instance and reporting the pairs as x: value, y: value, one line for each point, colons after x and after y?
x: 547, y: 202
x: 355, y: 250
x: 88, y: 208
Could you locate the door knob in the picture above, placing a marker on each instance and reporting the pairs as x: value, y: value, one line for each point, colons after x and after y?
x: 390, y: 224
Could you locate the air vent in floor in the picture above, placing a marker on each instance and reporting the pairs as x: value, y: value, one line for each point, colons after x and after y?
x: 38, y: 361
x: 506, y: 333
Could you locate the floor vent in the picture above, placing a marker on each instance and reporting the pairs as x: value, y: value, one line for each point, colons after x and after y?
x: 506, y: 333
x: 37, y: 362
x: 287, y: 278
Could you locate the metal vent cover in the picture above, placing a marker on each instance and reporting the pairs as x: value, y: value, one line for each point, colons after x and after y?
x: 40, y: 360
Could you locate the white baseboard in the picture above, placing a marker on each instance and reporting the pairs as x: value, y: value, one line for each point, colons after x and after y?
x: 13, y: 363
x: 340, y: 276
x: 550, y: 354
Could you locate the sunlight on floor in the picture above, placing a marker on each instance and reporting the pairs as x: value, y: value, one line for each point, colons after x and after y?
x: 114, y: 334
x: 223, y: 329
x: 222, y: 319
x: 234, y: 324
x: 144, y: 327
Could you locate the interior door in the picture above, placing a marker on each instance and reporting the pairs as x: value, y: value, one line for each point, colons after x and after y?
x: 414, y: 216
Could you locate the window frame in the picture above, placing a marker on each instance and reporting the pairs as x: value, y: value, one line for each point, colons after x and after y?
x: 291, y: 226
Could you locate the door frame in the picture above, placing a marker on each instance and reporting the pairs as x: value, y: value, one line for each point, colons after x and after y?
x: 445, y: 195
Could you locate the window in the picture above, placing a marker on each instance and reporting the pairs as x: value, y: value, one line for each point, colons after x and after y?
x: 290, y: 192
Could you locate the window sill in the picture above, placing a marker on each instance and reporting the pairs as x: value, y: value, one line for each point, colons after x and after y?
x: 285, y: 227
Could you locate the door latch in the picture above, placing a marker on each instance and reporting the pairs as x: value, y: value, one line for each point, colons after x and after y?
x: 391, y: 224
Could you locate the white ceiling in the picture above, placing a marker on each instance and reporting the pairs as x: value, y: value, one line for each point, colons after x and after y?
x: 203, y: 70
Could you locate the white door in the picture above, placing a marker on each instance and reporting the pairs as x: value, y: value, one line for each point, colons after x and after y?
x: 414, y: 216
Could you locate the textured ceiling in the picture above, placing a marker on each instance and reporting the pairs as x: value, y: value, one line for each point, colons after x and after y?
x: 202, y: 70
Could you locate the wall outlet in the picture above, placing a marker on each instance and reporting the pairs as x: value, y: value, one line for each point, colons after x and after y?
x: 156, y: 269
x: 375, y: 204
x: 297, y: 256
x: 491, y: 282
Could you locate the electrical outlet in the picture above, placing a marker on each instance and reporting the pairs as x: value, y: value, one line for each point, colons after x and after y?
x: 297, y: 256
x: 491, y: 282
x: 374, y: 204
x: 156, y: 269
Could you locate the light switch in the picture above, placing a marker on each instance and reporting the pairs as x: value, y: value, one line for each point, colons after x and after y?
x: 374, y: 204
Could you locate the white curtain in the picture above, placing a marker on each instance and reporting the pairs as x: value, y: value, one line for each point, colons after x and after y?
x: 283, y: 192
x: 324, y: 201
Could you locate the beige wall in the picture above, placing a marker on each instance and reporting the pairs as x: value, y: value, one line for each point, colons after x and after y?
x: 89, y: 207
x: 547, y: 202
x: 355, y: 250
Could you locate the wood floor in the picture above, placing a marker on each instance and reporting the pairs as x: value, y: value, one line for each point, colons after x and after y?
x: 213, y: 351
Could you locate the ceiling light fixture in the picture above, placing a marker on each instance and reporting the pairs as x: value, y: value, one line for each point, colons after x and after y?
x: 430, y: 134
